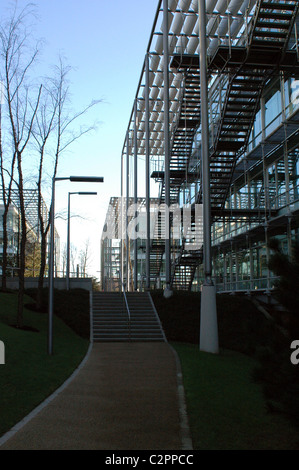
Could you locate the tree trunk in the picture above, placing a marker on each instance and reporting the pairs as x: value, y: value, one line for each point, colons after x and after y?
x: 4, y: 255
x: 22, y: 246
x: 21, y: 277
x: 41, y: 271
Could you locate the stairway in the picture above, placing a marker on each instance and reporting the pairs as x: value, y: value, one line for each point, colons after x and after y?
x: 185, y: 268
x: 111, y: 321
x: 157, y: 248
x: 189, y: 256
x: 240, y: 107
x: 271, y: 29
x: 263, y: 56
x: 272, y: 23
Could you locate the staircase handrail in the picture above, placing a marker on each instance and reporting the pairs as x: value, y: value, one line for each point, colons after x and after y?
x: 126, y: 301
x: 127, y: 307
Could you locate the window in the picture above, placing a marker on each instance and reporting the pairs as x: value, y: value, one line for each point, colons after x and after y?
x: 273, y: 108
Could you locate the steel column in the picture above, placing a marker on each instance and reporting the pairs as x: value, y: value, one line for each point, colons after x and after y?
x: 166, y: 145
x: 135, y: 197
x: 121, y: 222
x: 208, y: 314
x: 127, y: 211
x: 147, y: 174
x: 205, y: 144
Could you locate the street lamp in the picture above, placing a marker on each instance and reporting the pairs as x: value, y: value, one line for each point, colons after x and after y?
x: 77, y: 179
x: 68, y: 233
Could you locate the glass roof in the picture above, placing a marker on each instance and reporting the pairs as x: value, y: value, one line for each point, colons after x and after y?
x: 227, y: 24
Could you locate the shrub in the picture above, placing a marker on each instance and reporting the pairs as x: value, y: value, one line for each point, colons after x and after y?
x: 241, y: 326
x: 71, y: 306
x: 278, y: 376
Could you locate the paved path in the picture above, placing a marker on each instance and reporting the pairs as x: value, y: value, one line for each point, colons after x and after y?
x: 125, y: 397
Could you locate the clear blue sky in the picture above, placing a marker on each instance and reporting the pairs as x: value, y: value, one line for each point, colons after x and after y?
x: 105, y: 42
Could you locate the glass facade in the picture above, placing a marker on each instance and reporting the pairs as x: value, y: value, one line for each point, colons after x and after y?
x: 240, y: 254
x: 253, y: 133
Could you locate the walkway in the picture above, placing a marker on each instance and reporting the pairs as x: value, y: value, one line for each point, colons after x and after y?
x: 126, y: 396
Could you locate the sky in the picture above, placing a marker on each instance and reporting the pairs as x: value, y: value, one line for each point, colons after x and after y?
x: 105, y: 44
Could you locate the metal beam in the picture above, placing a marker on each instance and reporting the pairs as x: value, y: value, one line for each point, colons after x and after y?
x: 135, y: 194
x: 208, y: 313
x: 166, y: 142
x: 147, y: 173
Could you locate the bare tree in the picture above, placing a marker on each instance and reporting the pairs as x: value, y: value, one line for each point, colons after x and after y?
x: 42, y: 112
x: 73, y: 256
x: 22, y: 100
x: 63, y: 259
x: 85, y: 257
x: 6, y: 200
x: 55, y: 129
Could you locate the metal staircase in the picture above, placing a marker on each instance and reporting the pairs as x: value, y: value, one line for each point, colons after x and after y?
x: 188, y: 257
x: 185, y: 268
x: 181, y: 151
x: 185, y: 128
x: 248, y: 67
x: 241, y: 104
x: 248, y: 72
x: 112, y: 323
x: 272, y: 24
x: 157, y: 248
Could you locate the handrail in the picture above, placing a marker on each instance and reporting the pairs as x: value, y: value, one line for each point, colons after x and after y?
x: 127, y: 307
x: 126, y: 302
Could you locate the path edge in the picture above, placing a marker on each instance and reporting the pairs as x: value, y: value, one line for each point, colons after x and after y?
x: 17, y: 427
x: 184, y: 421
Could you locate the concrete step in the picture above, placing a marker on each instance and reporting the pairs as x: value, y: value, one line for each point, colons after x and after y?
x: 111, y: 321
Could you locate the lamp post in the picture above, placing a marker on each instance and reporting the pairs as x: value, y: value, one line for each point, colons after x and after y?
x: 73, y: 179
x: 68, y: 233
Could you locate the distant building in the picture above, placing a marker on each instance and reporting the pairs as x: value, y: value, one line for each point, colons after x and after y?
x: 114, y: 253
x: 33, y: 236
x: 13, y: 239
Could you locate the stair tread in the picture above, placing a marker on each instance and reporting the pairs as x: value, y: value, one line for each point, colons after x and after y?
x: 111, y: 321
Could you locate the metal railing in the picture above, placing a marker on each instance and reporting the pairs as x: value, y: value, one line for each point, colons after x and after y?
x: 127, y: 308
x: 249, y: 285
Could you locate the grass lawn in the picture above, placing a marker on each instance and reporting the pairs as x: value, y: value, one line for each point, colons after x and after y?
x: 226, y: 408
x: 30, y: 374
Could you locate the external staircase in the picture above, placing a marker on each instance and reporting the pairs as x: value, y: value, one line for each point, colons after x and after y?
x: 117, y: 318
x: 247, y: 68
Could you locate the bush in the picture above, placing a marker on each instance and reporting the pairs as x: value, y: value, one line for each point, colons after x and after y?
x: 241, y: 326
x: 71, y: 306
x: 278, y: 376
x: 179, y: 315
x: 280, y: 381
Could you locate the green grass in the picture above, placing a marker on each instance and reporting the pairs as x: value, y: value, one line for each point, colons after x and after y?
x: 226, y: 409
x: 30, y: 374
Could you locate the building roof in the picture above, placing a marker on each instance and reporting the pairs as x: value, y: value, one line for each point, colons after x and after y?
x: 226, y: 22
x: 31, y: 207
